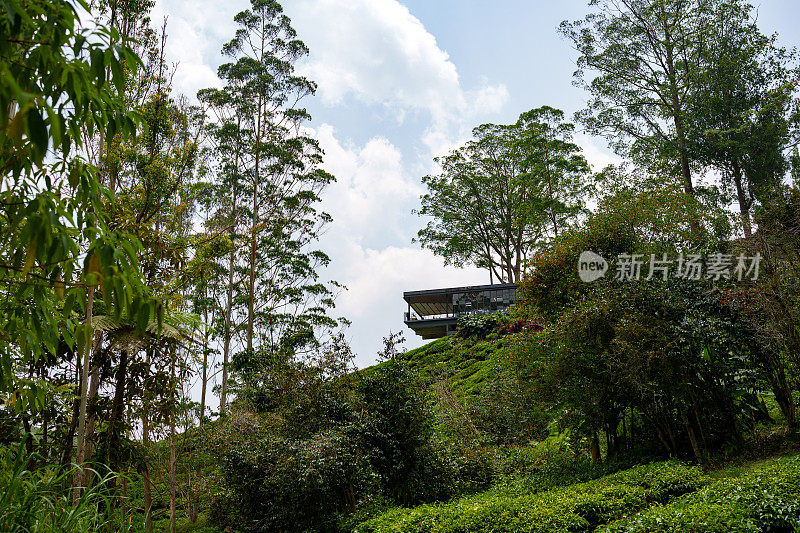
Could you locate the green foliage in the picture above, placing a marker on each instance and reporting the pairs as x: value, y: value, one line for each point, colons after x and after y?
x: 644, y: 57
x: 480, y: 325
x: 740, y: 117
x: 183, y: 525
x: 579, y: 507
x: 765, y: 499
x: 505, y: 192
x: 664, y: 348
x: 55, y: 240
x: 329, y: 447
x: 33, y: 501
x: 636, y: 344
x: 396, y: 427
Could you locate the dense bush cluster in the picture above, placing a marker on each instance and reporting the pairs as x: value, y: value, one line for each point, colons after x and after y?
x: 331, y: 448
x: 517, y: 326
x: 665, y: 366
x: 480, y: 325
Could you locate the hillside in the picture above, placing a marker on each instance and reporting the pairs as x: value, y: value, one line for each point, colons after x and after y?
x: 468, y: 367
x: 547, y: 487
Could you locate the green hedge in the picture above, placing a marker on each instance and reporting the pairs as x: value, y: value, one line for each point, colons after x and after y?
x: 579, y: 507
x: 765, y: 499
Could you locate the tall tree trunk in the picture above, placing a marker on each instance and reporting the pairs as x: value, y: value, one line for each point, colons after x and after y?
x: 148, y: 496
x: 226, y: 349
x: 172, y: 453
x: 782, y: 391
x: 91, y: 415
x: 204, y: 382
x: 677, y: 116
x: 69, y: 438
x: 251, y: 286
x: 744, y: 201
x: 594, y: 447
x: 226, y: 343
x: 115, y: 422
x: 489, y: 260
x: 692, y: 437
x: 194, y: 505
x: 84, y: 392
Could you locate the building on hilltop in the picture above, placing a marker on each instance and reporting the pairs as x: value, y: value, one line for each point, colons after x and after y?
x: 434, y: 313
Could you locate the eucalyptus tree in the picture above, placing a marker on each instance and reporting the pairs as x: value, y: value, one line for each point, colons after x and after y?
x: 227, y: 138
x: 505, y: 193
x: 274, y: 168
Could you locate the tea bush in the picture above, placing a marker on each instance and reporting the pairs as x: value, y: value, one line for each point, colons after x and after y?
x: 766, y: 499
x: 579, y: 507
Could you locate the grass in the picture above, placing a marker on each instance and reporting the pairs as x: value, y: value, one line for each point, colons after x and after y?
x: 33, y: 501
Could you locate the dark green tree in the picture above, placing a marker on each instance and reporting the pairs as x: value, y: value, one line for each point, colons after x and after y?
x: 638, y: 60
x: 61, y: 85
x: 740, y: 117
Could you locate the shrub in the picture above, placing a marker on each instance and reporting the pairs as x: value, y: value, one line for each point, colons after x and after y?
x: 467, y: 469
x: 479, y: 326
x: 519, y: 325
x: 354, y: 447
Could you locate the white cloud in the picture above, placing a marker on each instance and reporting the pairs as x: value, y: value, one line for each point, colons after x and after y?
x: 377, y: 52
x: 597, y: 156
x: 196, y: 31
x: 369, y: 240
x: 372, y: 193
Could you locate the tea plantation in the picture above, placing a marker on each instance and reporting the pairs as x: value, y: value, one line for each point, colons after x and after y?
x: 664, y: 497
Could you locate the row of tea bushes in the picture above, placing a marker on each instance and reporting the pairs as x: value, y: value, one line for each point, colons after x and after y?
x: 578, y: 507
x: 764, y: 499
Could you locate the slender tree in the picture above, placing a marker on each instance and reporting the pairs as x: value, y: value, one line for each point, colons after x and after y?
x: 270, y: 210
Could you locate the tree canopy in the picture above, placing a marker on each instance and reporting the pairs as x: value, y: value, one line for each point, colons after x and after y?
x: 505, y: 193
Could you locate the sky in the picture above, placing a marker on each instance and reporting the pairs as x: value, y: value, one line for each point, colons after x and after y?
x: 398, y: 84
